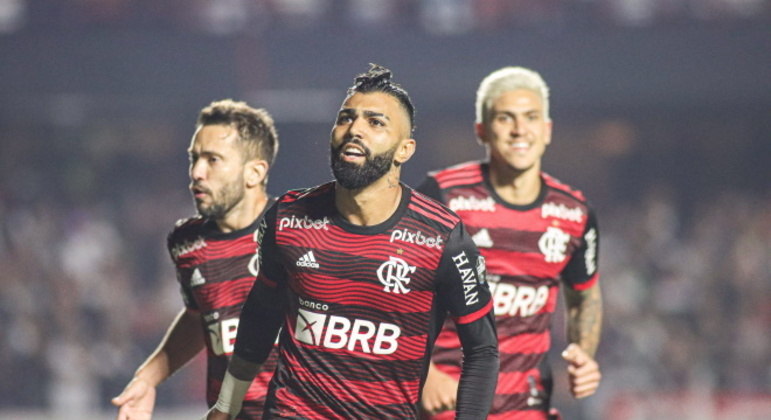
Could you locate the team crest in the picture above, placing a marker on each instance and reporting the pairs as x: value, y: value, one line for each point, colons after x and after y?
x: 553, y: 244
x: 393, y: 275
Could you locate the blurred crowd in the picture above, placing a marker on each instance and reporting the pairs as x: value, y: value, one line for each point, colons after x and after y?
x: 684, y: 205
x: 87, y: 286
x: 436, y: 16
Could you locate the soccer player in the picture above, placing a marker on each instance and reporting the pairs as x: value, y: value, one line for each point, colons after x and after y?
x: 361, y: 272
x: 535, y: 233
x: 215, y: 254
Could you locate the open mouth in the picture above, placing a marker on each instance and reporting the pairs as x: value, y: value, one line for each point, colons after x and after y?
x: 352, y: 152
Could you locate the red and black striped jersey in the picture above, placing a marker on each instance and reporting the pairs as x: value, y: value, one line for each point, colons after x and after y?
x: 216, y: 271
x: 361, y: 305
x: 529, y: 251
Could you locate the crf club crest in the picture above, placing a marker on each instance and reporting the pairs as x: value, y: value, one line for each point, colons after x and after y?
x: 553, y: 244
x: 393, y: 275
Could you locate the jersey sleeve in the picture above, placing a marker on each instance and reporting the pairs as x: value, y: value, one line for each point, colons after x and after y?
x: 461, y: 284
x: 430, y: 187
x: 581, y: 272
x: 264, y: 308
x: 184, y: 289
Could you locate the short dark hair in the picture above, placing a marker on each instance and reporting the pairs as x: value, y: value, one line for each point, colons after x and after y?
x: 255, y: 127
x: 378, y: 79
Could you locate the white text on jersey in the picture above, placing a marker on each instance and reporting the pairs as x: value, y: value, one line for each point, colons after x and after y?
x: 338, y: 332
x: 303, y: 223
x: 470, y: 281
x: 417, y: 238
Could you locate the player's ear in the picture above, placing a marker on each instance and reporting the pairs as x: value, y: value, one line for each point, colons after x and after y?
x: 255, y: 172
x: 405, y: 151
x: 480, y: 131
x: 547, y: 134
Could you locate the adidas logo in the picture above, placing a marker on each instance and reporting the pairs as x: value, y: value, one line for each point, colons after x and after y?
x: 197, y: 278
x: 308, y: 260
x: 482, y: 239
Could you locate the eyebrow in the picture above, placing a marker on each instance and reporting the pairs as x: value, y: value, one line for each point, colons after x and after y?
x: 369, y: 114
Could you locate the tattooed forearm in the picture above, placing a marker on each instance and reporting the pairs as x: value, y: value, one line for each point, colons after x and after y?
x: 584, y: 324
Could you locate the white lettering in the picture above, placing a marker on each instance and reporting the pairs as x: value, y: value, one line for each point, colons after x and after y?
x: 305, y: 222
x: 467, y: 274
x: 187, y: 247
x: 590, y: 257
x: 472, y: 204
x: 513, y: 300
x: 417, y: 237
x: 338, y: 332
x: 561, y: 211
x: 223, y: 336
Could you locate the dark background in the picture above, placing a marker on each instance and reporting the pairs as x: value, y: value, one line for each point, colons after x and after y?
x: 661, y: 114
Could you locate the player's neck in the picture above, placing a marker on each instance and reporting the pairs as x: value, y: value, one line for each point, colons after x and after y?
x: 244, y: 213
x: 516, y: 187
x: 370, y: 205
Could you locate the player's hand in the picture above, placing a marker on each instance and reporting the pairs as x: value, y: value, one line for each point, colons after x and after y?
x: 214, y: 414
x: 439, y: 392
x: 583, y: 371
x: 136, y: 402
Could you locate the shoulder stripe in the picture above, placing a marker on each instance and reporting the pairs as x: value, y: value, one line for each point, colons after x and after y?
x: 433, y: 210
x: 463, y: 174
x: 469, y: 318
x: 558, y: 185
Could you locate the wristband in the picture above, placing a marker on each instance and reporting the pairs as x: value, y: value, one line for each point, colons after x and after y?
x: 231, y: 395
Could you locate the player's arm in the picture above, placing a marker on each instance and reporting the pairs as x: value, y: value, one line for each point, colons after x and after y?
x: 583, y: 301
x: 467, y: 296
x: 182, y: 341
x: 259, y: 323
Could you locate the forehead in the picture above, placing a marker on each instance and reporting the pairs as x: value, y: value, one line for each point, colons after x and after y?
x: 379, y: 102
x: 218, y: 138
x: 518, y: 99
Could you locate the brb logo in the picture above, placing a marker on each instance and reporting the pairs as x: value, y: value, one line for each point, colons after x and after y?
x: 523, y: 300
x: 393, y: 274
x: 553, y: 244
x: 338, y: 332
x: 222, y: 335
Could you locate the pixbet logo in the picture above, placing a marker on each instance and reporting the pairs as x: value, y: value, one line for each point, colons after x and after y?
x: 417, y: 238
x: 304, y: 222
x: 561, y: 211
x: 472, y: 204
x: 338, y: 332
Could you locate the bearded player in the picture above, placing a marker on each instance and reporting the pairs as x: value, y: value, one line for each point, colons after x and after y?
x: 536, y: 234
x: 215, y: 255
x: 361, y: 272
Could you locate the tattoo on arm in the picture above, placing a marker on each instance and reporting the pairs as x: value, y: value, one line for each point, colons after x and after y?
x: 584, y: 324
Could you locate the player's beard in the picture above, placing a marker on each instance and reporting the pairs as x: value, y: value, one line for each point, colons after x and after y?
x: 354, y: 176
x: 223, y: 200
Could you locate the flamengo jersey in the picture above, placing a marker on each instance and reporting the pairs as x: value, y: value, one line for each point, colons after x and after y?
x: 363, y: 305
x: 528, y: 250
x: 216, y: 271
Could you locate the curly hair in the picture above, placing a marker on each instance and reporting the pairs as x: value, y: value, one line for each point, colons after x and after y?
x: 378, y: 79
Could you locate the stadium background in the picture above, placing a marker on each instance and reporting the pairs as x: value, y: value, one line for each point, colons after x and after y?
x: 661, y: 111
